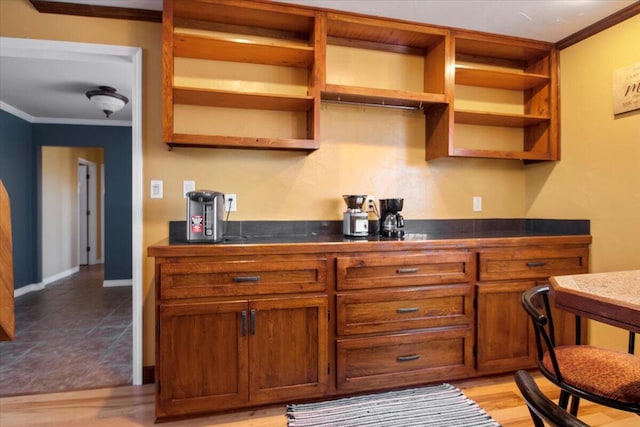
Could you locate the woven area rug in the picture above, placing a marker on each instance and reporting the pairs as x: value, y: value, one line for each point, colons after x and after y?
x: 442, y: 405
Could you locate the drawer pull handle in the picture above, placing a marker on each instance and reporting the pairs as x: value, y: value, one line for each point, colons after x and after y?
x: 536, y: 264
x: 407, y: 358
x: 245, y: 279
x: 243, y: 315
x: 407, y: 270
x: 407, y: 310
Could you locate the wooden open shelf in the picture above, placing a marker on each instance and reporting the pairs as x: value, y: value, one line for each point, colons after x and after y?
x: 231, y: 99
x: 218, y: 141
x: 496, y: 79
x: 202, y: 47
x: 373, y: 33
x: 498, y: 119
x: 496, y: 154
x: 382, y: 97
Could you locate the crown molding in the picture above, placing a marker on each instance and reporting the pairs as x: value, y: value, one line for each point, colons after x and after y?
x: 97, y: 11
x: 593, y: 29
x: 60, y: 121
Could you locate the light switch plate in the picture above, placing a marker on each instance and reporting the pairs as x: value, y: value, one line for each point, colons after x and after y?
x: 188, y: 186
x: 477, y: 204
x: 156, y: 189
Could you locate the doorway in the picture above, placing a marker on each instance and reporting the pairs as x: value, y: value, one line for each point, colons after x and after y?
x: 57, y: 50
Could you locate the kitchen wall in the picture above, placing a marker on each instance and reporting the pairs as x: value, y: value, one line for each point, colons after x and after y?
x: 599, y: 175
x: 363, y: 150
x: 16, y: 172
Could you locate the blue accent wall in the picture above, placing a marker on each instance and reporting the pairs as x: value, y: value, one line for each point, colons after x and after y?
x: 20, y: 171
x: 16, y: 171
x: 116, y: 141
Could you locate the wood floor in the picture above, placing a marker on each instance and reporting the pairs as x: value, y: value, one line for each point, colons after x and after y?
x: 134, y: 406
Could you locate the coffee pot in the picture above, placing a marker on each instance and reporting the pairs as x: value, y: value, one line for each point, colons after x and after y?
x: 391, y: 222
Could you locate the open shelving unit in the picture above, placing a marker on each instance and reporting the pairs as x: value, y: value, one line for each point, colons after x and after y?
x: 402, y: 39
x: 244, y: 33
x: 470, y: 86
x: 497, y: 64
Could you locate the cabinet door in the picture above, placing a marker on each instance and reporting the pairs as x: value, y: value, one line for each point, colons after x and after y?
x: 202, y: 357
x: 505, y: 335
x: 288, y: 348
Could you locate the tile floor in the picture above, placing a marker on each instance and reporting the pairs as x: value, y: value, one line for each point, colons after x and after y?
x: 74, y: 334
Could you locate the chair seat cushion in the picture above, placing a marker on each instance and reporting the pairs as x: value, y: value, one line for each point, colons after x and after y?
x: 608, y: 373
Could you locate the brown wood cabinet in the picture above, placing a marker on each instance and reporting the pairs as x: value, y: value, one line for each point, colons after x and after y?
x: 505, y: 338
x: 383, y: 296
x: 280, y: 60
x: 238, y: 333
x: 243, y: 325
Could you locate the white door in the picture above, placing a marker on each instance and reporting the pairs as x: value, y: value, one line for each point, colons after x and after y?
x: 83, y: 214
x: 87, y: 213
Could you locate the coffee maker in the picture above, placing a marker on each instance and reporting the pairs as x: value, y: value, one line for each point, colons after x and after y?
x: 391, y: 222
x: 355, y: 221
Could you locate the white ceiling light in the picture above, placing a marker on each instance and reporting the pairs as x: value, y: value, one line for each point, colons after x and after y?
x: 107, y: 99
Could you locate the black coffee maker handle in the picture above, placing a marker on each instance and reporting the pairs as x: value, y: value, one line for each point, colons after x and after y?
x: 399, y: 221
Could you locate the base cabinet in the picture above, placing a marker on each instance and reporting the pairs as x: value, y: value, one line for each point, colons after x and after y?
x: 242, y: 326
x: 505, y: 334
x: 223, y: 355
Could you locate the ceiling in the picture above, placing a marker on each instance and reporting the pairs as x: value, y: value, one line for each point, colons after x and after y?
x: 50, y: 88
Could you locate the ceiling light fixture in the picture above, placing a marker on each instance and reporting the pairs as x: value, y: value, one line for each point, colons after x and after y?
x: 107, y: 99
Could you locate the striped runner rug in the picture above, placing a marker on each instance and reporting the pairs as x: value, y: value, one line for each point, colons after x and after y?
x: 434, y: 406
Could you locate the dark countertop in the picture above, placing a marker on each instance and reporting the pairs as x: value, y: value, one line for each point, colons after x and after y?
x: 273, y: 232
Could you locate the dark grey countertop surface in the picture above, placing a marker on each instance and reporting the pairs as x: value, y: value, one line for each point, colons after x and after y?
x: 268, y: 232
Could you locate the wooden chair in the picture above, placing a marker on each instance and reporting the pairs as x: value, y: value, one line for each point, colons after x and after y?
x: 606, y: 377
x: 541, y: 407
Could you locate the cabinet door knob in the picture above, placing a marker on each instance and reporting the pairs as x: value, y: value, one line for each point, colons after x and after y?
x: 407, y: 358
x: 407, y: 310
x: 244, y: 279
x: 407, y: 270
x: 536, y: 264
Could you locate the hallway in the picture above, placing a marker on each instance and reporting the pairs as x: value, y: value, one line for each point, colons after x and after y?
x: 72, y: 335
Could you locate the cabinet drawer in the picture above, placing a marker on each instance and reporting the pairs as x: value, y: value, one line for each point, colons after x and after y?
x: 402, y: 359
x: 238, y: 278
x: 377, y: 271
x: 531, y: 263
x: 412, y: 308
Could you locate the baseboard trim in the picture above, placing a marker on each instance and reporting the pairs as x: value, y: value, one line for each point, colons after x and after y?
x: 45, y: 282
x: 115, y: 283
x: 148, y: 374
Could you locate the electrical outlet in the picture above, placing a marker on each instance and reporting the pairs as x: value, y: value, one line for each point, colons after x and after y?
x: 370, y: 204
x: 188, y: 186
x: 477, y: 204
x: 230, y: 202
x: 156, y: 189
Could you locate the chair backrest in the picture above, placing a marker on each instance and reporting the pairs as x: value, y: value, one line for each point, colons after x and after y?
x: 541, y: 407
x: 536, y: 303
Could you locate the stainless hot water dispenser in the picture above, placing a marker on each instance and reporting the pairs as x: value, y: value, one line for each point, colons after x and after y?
x: 205, y: 211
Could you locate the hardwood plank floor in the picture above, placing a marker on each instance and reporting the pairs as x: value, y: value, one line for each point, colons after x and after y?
x: 130, y: 406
